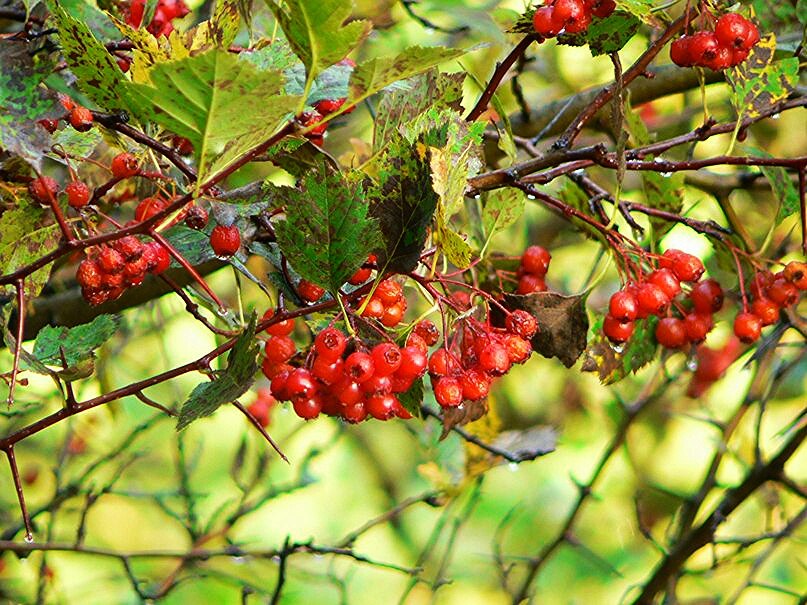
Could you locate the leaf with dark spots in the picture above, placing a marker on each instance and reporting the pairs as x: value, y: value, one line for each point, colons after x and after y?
x: 607, y: 35
x: 463, y: 414
x: 403, y: 201
x: 612, y: 363
x: 562, y: 323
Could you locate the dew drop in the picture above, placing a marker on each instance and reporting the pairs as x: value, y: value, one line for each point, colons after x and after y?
x: 666, y: 175
x: 619, y: 348
x: 692, y: 364
x: 531, y: 197
x: 776, y: 116
x: 429, y: 31
x: 29, y: 538
x: 513, y: 466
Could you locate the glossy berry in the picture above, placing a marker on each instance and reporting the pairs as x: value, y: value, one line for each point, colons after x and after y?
x: 78, y: 194
x: 148, y: 207
x: 381, y: 406
x: 413, y: 362
x: 707, y: 296
x: 159, y: 257
x: 327, y: 106
x: 518, y: 349
x: 330, y: 343
x: 389, y: 292
x: 360, y: 276
x: 124, y: 165
x: 307, y: 408
x: 796, y: 273
x: 347, y: 391
x: 747, y: 327
x: 300, y: 383
x: 666, y: 280
x: 572, y: 14
x: 703, y: 46
x: 623, y: 306
x: 544, y: 24
x: 531, y: 283
x: 441, y: 363
x: 494, y: 359
x: 377, y: 384
x: 328, y: 371
x: 735, y: 31
x: 225, y: 240
x: 475, y: 385
x: 652, y: 299
x: 48, y: 124
x: 111, y: 261
x: 617, y: 331
x: 43, y: 189
x: 81, y: 118
x: 393, y: 314
x: 89, y: 274
x: 129, y: 246
x: 680, y: 53
x: 279, y: 349
x: 309, y: 292
x: 280, y: 328
x: 359, y: 366
x: 354, y: 413
x: 522, y: 323
x: 427, y: 331
x: 687, y: 267
x: 535, y: 260
x: 697, y: 327
x: 782, y: 292
x: 766, y: 310
x: 671, y: 333
x: 447, y: 391
x: 387, y: 358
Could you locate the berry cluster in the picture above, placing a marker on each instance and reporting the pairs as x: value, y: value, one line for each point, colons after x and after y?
x: 465, y: 371
x: 771, y: 293
x: 532, y: 270
x: 569, y: 16
x: 110, y: 269
x: 161, y: 23
x: 348, y: 382
x: 655, y: 295
x: 78, y: 116
x: 386, y: 304
x: 321, y: 109
x: 728, y: 45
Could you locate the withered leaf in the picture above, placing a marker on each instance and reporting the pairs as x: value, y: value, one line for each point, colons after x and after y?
x: 461, y: 415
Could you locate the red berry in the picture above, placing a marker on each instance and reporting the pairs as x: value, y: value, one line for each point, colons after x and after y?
x: 377, y: 384
x: 617, y: 331
x: 393, y: 315
x: 723, y: 59
x: 89, y: 274
x: 389, y: 292
x: 707, y: 296
x: 354, y: 413
x: 225, y: 240
x: 360, y: 276
x: 427, y: 331
x: 148, y: 207
x: 623, y: 306
x: 475, y: 385
x: 359, y: 366
x: 766, y: 310
x: 604, y: 8
x: 328, y: 371
x: 535, y: 260
x: 43, y: 189
x: 307, y: 408
x: 327, y: 106
x: 375, y: 308
x: 78, y: 194
x: 518, y: 348
x: 279, y: 349
x: 330, y: 343
x: 124, y: 165
x: 310, y: 118
x: 522, y: 323
x: 442, y: 363
x: 347, y: 391
x: 703, y: 46
x: 494, y: 359
x: 309, y: 292
x: 413, y: 362
x: 48, y: 124
x: 447, y: 391
x: 572, y: 14
x: 671, y: 333
x: 666, y: 280
x: 280, y: 382
x: 196, y: 217
x: 544, y: 24
x: 110, y: 260
x: 280, y: 328
x: 387, y: 358
x: 736, y: 31
x: 381, y: 406
x: 697, y: 326
x: 300, y: 384
x: 531, y: 283
x: 129, y: 246
x: 81, y: 118
x: 782, y: 292
x: 652, y: 300
x: 796, y: 273
x: 747, y: 327
x: 686, y: 267
x: 680, y: 53
x: 158, y: 256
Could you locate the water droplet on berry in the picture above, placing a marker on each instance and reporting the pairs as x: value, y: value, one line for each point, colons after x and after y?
x: 692, y: 364
x: 619, y: 348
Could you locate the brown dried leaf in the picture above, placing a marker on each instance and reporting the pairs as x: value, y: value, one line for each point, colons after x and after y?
x: 463, y: 414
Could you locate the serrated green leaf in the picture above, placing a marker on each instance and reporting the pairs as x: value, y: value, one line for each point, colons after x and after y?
x: 501, y: 208
x: 663, y: 192
x: 78, y: 342
x: 224, y: 106
x: 413, y: 398
x: 75, y: 143
x: 399, y: 106
x: 607, y: 35
x: 327, y: 234
x: 454, y: 163
x: 221, y: 29
x: 452, y: 244
x: 24, y: 239
x: 23, y: 101
x: 613, y: 364
x: 782, y: 185
x: 779, y: 17
x: 231, y: 383
x: 316, y: 31
x: 374, y: 75
x: 760, y: 81
x: 98, y: 75
x: 643, y: 9
x: 403, y: 201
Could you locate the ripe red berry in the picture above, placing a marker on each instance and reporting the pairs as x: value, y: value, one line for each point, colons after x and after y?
x: 309, y: 292
x: 686, y: 267
x: 393, y: 314
x: 225, y: 240
x: 279, y: 349
x: 148, y: 207
x: 43, y: 189
x: 381, y: 406
x: 413, y: 362
x: 110, y: 260
x: 328, y: 371
x: 796, y: 273
x: 377, y: 384
x: 671, y: 333
x: 707, y: 296
x: 760, y: 282
x: 360, y: 276
x: 78, y: 194
x: 387, y: 358
x: 623, y: 305
x: 475, y: 385
x: 494, y: 359
x: 616, y: 330
x: 129, y: 246
x: 280, y: 382
x: 652, y: 299
x: 723, y: 59
x: 158, y: 256
x: 280, y: 328
x: 442, y: 363
x: 680, y: 53
x: 124, y: 165
x: 354, y: 413
x: 89, y: 274
x: 330, y: 343
x: 307, y: 408
x: 747, y: 327
x: 766, y: 310
x: 603, y: 8
x: 427, y: 331
x: 782, y: 292
x: 530, y: 283
x: 300, y: 384
x: 522, y: 323
x: 447, y: 391
x: 544, y: 24
x: 572, y: 14
x: 535, y: 260
x: 81, y: 118
x: 518, y: 348
x: 310, y: 118
x: 666, y: 280
x: 359, y: 366
x: 697, y: 326
x: 736, y: 31
x: 327, y: 106
x: 703, y: 46
x: 48, y: 124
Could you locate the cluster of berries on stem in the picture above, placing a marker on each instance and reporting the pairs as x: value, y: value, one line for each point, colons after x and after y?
x: 728, y: 45
x: 770, y: 293
x: 532, y: 270
x: 569, y: 16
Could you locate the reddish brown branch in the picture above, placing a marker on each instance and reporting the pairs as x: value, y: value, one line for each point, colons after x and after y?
x: 15, y: 475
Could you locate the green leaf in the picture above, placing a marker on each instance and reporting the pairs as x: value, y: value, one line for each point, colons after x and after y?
x: 456, y: 249
x: 643, y: 9
x: 782, y: 185
x: 403, y: 201
x: 453, y: 163
x: 75, y: 143
x: 501, y: 208
x: 231, y: 383
x: 780, y: 17
x: 413, y: 398
x: 98, y: 75
x: 664, y: 192
x: 78, y: 343
x: 224, y: 106
x: 327, y: 234
x: 316, y: 32
x: 25, y: 237
x: 221, y: 29
x: 376, y: 74
x: 401, y: 105
x: 613, y: 364
x: 760, y: 81
x: 607, y: 35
